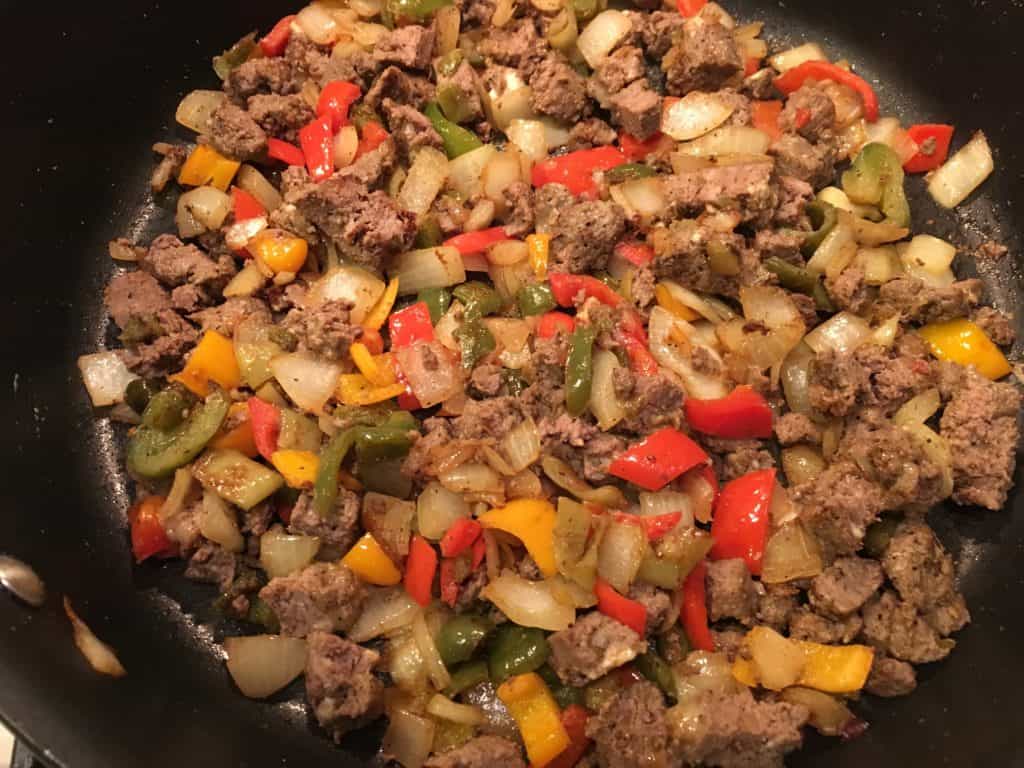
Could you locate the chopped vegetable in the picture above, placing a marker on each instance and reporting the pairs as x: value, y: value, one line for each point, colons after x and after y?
x: 743, y: 414
x: 277, y: 251
x: 794, y: 78
x: 410, y: 325
x: 622, y: 609
x: 742, y: 517
x: 277, y: 39
x: 876, y: 178
x: 565, y: 288
x: 658, y: 460
x: 539, y: 246
x: 534, y: 709
x: 298, y: 468
x: 694, y: 614
x: 148, y: 536
x: 477, y: 242
x: 157, y: 453
x: 287, y: 153
x: 206, y: 166
x: 236, y: 478
x: 933, y: 147
x: 954, y: 182
x: 579, y: 370
x: 574, y: 720
x: 461, y: 636
x: 516, y: 651
x: 368, y: 561
x: 317, y: 142
x: 528, y: 603
x: 457, y: 140
x: 536, y: 300
x: 212, y: 360
x: 963, y: 342
x: 262, y: 665
x: 100, y: 656
x: 420, y: 569
x: 335, y: 100
x: 576, y: 170
x: 532, y: 521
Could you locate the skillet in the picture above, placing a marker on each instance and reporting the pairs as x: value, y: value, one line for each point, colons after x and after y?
x: 88, y: 89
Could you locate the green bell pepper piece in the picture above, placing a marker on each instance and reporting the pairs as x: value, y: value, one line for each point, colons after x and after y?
x: 414, y: 10
x: 453, y: 103
x: 429, y: 235
x: 536, y: 299
x: 447, y: 64
x: 801, y: 280
x: 876, y: 178
x: 384, y: 476
x: 157, y: 453
x: 235, y: 56
x: 579, y: 370
x: 360, y: 114
x: 565, y: 695
x: 516, y: 650
x: 585, y: 10
x: 325, y: 490
x: 461, y: 636
x: 467, y: 676
x: 475, y: 342
x: 139, y: 392
x: 673, y: 645
x: 628, y: 172
x: 167, y: 408
x: 262, y: 614
x: 480, y: 300
x: 824, y: 217
x: 457, y: 140
x: 654, y: 668
x: 437, y: 300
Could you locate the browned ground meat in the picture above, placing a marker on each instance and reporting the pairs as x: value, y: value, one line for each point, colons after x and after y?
x: 656, y: 402
x: 592, y: 132
x: 658, y: 604
x: 848, y: 289
x: 213, y: 564
x: 481, y: 752
x: 810, y: 112
x: 518, y: 197
x: 324, y: 329
x: 838, y: 506
x: 996, y: 325
x: 224, y: 318
x: 515, y: 45
x: 174, y: 263
x: 343, y: 692
x: 797, y: 157
x: 775, y: 604
x: 135, y: 294
x: 805, y: 624
x: 845, y: 585
x: 705, y: 59
x: 320, y: 597
x: 583, y: 234
x: 464, y: 85
x: 730, y: 591
x: 395, y: 84
x: 235, y: 134
x: 917, y: 302
x: 164, y: 351
x: 637, y: 110
x: 337, y: 531
x: 409, y: 47
x: 281, y: 116
x: 388, y: 520
x: 895, y: 627
x: 659, y: 28
x: 267, y: 75
x: 593, y: 646
x: 558, y: 90
x: 895, y: 461
x: 890, y: 677
x: 793, y: 428
x: 630, y: 730
x: 410, y: 128
x: 836, y: 381
x: 747, y: 186
x: 622, y: 67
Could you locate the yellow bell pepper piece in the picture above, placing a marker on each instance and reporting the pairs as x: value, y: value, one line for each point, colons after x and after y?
x: 532, y: 521
x: 539, y: 719
x: 238, y: 439
x: 370, y: 563
x: 961, y: 341
x: 298, y: 468
x: 277, y: 251
x: 356, y: 389
x: 212, y: 360
x: 378, y: 315
x: 376, y: 368
x: 745, y: 671
x: 836, y: 668
x: 539, y: 246
x: 208, y: 166
x: 669, y: 302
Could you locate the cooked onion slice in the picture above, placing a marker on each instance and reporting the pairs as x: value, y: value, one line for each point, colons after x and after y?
x: 100, y: 656
x: 963, y: 173
x: 262, y: 665
x: 529, y: 603
x: 106, y: 377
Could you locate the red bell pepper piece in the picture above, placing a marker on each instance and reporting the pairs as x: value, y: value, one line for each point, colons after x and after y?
x: 636, y: 253
x: 371, y: 137
x: 335, y: 100
x: 407, y: 402
x: 636, y: 150
x: 633, y: 325
x: 266, y: 426
x: 245, y: 206
x: 690, y: 7
x: 554, y: 323
x: 479, y: 552
x: 565, y: 287
x: 372, y: 340
x: 641, y: 361
x: 575, y: 171
x: 420, y: 567
x: 659, y: 525
x: 743, y: 414
x: 822, y: 70
x: 149, y: 539
x: 462, y: 535
x: 933, y: 141
x: 622, y: 609
x: 317, y: 141
x: 658, y: 460
x: 449, y: 586
x: 410, y: 325
x: 277, y: 39
x: 287, y: 153
x: 741, y: 518
x: 765, y: 117
x: 574, y: 720
x: 803, y: 117
x: 477, y: 242
x: 751, y: 65
x: 694, y: 614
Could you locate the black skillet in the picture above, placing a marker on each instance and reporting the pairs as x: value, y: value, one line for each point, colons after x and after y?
x: 88, y: 88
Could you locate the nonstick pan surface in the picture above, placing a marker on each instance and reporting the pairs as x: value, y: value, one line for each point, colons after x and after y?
x: 87, y: 89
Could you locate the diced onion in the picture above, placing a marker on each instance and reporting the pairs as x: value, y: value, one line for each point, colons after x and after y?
x: 885, y: 334
x: 791, y: 553
x: 106, y: 377
x: 425, y: 179
x: 880, y: 265
x: 465, y: 170
x: 409, y: 738
x: 257, y: 185
x: 604, y: 403
x: 600, y: 36
x: 794, y: 57
x: 841, y: 333
x: 385, y: 611
x: 795, y: 376
x: 100, y: 656
x: 521, y: 446
x: 179, y: 527
x: 530, y: 137
x: 694, y: 115
x: 436, y: 669
x: 929, y: 259
x: 829, y: 715
x: 447, y: 21
x: 508, y: 253
x: 472, y: 478
x: 562, y: 475
x: 918, y: 409
x: 643, y: 198
x: 346, y: 144
x: 570, y: 593
x: 307, y: 380
x: 556, y: 133
x: 121, y: 251
x: 701, y: 493
x: 963, y: 173
x: 219, y: 523
x: 729, y: 140
x: 529, y: 603
x: 238, y: 235
x: 262, y: 665
x: 713, y: 312
x: 246, y: 282
x: 367, y: 9
x: 620, y: 554
x: 196, y: 109
x: 508, y: 281
x: 667, y: 351
x: 446, y: 709
x: 667, y: 502
x: 426, y: 268
x: 433, y: 384
x: 284, y: 553
x: 437, y: 509
x: 405, y: 665
x: 368, y: 35
x: 503, y: 170
x: 513, y: 104
x: 802, y: 463
x: 201, y: 210
x: 355, y: 286
x: 772, y: 308
x: 318, y: 24
x: 837, y: 249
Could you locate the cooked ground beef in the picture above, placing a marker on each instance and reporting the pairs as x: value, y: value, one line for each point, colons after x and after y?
x: 805, y: 624
x: 324, y: 329
x: 775, y: 604
x: 481, y: 752
x: 212, y: 564
x: 996, y: 325
x: 810, y: 112
x: 583, y: 234
x: 845, y: 585
x: 515, y: 45
x: 658, y: 604
x: 630, y: 730
x: 558, y: 90
x: 135, y: 295
x: 163, y: 349
x: 745, y: 187
x: 411, y: 129
x: 621, y: 68
x: 235, y: 134
x: 890, y: 677
x: 519, y: 217
x: 592, y: 132
x: 730, y: 591
x: 342, y: 689
x: 281, y: 116
x: 403, y: 88
x: 659, y: 30
x: 793, y: 428
x: 704, y: 59
x: 409, y: 47
x: 636, y: 109
x: 321, y: 597
x: 174, y: 263
x: 465, y: 87
x: 895, y: 627
x: 795, y: 156
x: 225, y: 318
x: 264, y: 75
x: 337, y: 532
x: 593, y: 646
x: 919, y: 303
x: 838, y: 506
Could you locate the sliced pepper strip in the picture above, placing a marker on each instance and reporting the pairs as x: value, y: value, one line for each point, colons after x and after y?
x: 539, y: 247
x: 266, y: 425
x: 461, y: 536
x: 536, y: 713
x: 371, y: 136
x: 743, y: 414
x: 566, y: 287
x: 245, y: 206
x: 277, y: 39
x: 835, y: 669
x: 449, y: 584
x: 574, y: 720
x: 741, y: 518
x: 317, y: 142
x: 635, y: 150
x: 420, y: 568
x: 641, y: 361
x: 635, y: 252
x: 149, y: 538
x: 287, y: 153
x: 575, y: 171
x: 579, y: 370
x: 411, y: 325
x: 532, y: 521
x: 933, y: 142
x: 553, y: 323
x: 622, y: 609
x: 690, y: 8
x: 457, y: 140
x: 378, y: 369
x: 368, y: 560
x: 793, y: 79
x: 238, y: 439
x: 378, y: 315
x: 765, y: 117
x: 208, y: 166
x: 298, y: 468
x: 356, y: 389
x: 335, y: 100
x: 694, y: 613
x: 469, y: 243
x: 963, y: 342
x: 658, y: 460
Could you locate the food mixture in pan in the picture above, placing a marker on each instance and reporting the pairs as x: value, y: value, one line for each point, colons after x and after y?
x: 563, y: 384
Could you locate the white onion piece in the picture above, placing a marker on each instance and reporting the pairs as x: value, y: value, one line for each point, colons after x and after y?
x: 465, y: 170
x: 794, y: 57
x: 885, y: 334
x: 219, y: 523
x: 435, y: 382
x: 418, y: 270
x: 447, y: 21
x: 841, y: 333
x: 353, y: 285
x: 511, y: 338
x: 694, y: 115
x: 318, y: 24
x: 201, y: 210
x: 507, y: 253
x: 246, y: 282
x: 105, y: 377
x: 367, y: 35
x: 521, y: 446
x: 196, y: 109
x: 508, y: 281
x: 928, y: 254
x: 426, y: 177
x: 100, y: 656
x: 262, y: 665
x: 284, y: 553
x: 918, y: 409
x: 513, y: 104
x: 529, y: 603
x: 436, y: 669
x: 667, y: 502
x: 366, y: 9
x: 307, y: 380
x: 791, y: 553
x: 179, y: 527
x: 714, y: 313
x: 503, y: 170
x: 644, y: 198
x: 620, y: 554
x: 667, y: 353
x: 257, y: 185
x: 604, y: 403
x: 556, y: 133
x: 837, y: 250
x: 937, y: 449
x: 409, y: 738
x: 446, y: 709
x: 729, y: 140
x: 405, y: 665
x: 963, y: 173
x: 385, y: 611
x: 472, y: 477
x: 530, y: 136
x: 437, y: 509
x: 600, y: 36
x: 346, y: 144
